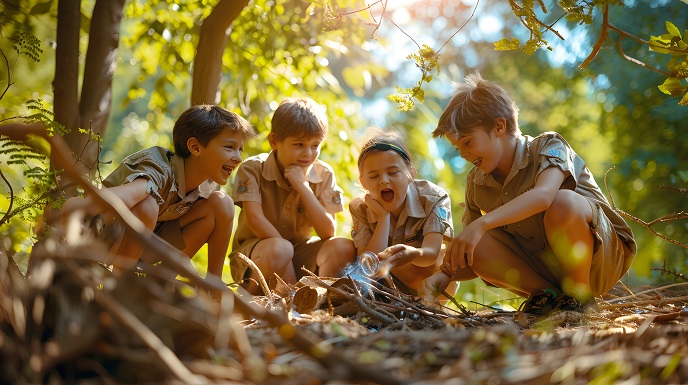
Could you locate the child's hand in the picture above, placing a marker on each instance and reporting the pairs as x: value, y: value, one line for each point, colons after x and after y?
x: 296, y: 176
x: 433, y: 286
x: 460, y: 250
x: 398, y: 255
x: 375, y: 205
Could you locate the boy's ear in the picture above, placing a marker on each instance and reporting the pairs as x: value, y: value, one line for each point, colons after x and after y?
x: 500, y: 127
x: 194, y: 146
x: 272, y: 140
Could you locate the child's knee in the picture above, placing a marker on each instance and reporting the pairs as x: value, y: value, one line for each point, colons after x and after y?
x: 221, y: 205
x: 146, y: 211
x: 341, y: 249
x: 566, y: 206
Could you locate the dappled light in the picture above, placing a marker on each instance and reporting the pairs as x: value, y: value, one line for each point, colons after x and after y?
x: 93, y: 82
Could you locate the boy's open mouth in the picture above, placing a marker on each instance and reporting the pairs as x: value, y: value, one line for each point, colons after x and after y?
x: 387, y: 195
x: 228, y: 169
x: 478, y: 162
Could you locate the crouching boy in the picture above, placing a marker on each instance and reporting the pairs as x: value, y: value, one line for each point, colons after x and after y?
x: 176, y: 194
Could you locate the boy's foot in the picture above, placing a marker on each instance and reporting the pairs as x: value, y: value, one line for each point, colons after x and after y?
x: 566, y: 303
x: 540, y: 302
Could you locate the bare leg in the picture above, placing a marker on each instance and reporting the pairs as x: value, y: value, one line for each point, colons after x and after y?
x: 567, y: 223
x: 334, y: 254
x: 273, y: 256
x: 129, y: 249
x: 209, y: 221
x: 499, y: 265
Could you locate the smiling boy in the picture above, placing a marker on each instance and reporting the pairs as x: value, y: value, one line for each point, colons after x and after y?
x: 176, y: 194
x: 535, y: 221
x: 285, y: 195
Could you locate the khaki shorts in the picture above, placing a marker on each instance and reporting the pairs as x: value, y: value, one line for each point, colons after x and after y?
x: 610, y: 261
x: 305, y: 253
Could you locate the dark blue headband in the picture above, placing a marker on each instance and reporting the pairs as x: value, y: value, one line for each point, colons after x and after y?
x: 384, y: 147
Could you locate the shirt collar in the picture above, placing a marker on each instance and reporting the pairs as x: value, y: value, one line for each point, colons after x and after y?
x: 203, y: 190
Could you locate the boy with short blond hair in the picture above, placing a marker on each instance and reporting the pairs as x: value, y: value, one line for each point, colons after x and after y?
x: 176, y: 194
x: 535, y: 221
x: 285, y: 195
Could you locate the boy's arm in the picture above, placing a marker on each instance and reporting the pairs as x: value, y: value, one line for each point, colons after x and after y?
x: 323, y: 222
x: 527, y: 204
x: 131, y: 193
x: 255, y: 218
x: 426, y: 255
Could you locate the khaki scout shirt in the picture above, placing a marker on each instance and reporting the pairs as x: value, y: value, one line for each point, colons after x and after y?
x: 427, y: 209
x: 166, y: 182
x: 260, y: 180
x: 533, y: 155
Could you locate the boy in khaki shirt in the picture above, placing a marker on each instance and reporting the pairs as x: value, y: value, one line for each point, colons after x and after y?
x: 285, y: 195
x: 535, y: 222
x: 175, y: 194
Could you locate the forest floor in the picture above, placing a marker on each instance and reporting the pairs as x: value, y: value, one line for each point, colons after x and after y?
x: 75, y: 322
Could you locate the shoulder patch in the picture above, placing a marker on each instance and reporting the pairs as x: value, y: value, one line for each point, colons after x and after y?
x: 442, y: 213
x: 242, y: 186
x: 554, y: 153
x: 354, y: 229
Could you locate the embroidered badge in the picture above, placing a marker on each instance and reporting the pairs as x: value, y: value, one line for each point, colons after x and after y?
x: 442, y: 213
x: 554, y: 153
x: 242, y: 186
x: 354, y: 229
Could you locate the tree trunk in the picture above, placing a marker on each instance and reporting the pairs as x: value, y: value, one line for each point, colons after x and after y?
x: 66, y: 82
x: 96, y: 90
x: 211, y: 45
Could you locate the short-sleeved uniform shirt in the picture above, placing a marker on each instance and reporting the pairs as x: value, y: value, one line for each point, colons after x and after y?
x: 427, y: 209
x: 533, y: 155
x: 260, y: 180
x: 166, y: 182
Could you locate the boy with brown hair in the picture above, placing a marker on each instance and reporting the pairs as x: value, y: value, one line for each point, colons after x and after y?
x: 176, y: 194
x: 285, y: 195
x: 535, y: 221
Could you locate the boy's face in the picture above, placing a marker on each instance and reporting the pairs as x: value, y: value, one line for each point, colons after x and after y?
x: 221, y: 156
x: 480, y: 148
x: 296, y: 150
x: 386, y: 177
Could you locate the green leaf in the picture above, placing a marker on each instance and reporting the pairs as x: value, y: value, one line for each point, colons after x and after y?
x: 41, y: 8
x: 672, y: 86
x: 672, y: 29
x: 507, y: 44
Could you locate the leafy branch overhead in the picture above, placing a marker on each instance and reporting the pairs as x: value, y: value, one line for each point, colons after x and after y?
x: 533, y: 15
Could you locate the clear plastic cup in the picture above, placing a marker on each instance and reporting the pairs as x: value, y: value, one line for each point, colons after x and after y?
x: 369, y: 262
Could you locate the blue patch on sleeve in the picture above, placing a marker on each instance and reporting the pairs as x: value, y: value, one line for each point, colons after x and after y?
x: 442, y: 213
x: 554, y: 153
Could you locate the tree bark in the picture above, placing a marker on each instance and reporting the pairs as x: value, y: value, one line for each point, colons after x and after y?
x: 66, y: 82
x: 96, y: 90
x: 212, y: 42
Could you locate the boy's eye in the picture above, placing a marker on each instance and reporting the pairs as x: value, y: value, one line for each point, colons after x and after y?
x: 467, y: 143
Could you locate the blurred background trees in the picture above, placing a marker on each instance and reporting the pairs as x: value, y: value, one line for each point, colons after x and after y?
x: 349, y: 57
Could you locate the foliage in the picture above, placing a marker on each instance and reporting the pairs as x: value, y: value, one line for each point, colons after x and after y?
x: 673, y: 44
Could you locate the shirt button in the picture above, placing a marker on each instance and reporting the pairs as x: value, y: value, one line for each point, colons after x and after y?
x: 288, y: 206
x: 506, y: 193
x: 519, y: 226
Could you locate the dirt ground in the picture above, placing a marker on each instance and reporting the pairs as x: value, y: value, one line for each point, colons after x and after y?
x: 72, y: 321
